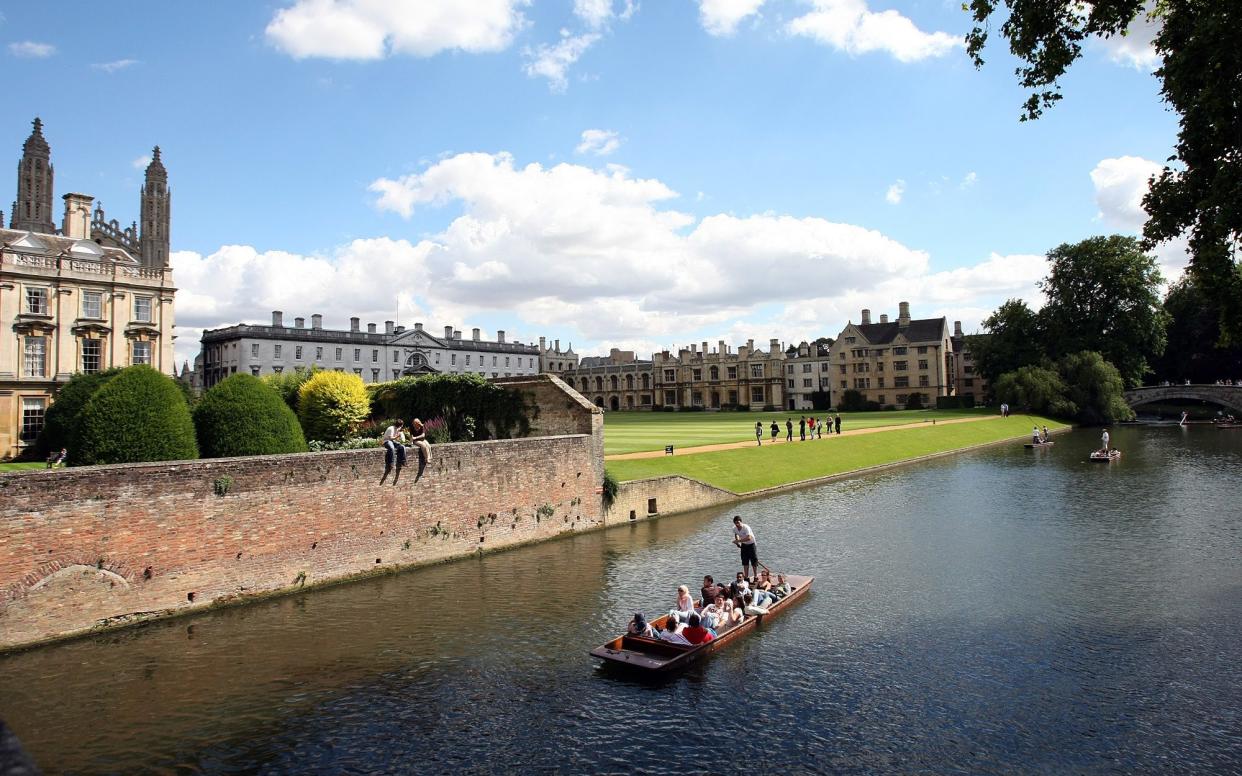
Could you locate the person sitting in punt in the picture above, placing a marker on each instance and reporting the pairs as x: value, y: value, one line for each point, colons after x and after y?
x: 710, y: 590
x: 685, y: 604
x: 742, y: 585
x: 749, y: 607
x: 695, y: 633
x: 763, y: 590
x: 672, y: 632
x: 782, y: 588
x: 640, y: 627
x: 713, y: 614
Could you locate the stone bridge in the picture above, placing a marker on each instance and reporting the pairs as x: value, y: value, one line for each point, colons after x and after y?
x: 1225, y: 395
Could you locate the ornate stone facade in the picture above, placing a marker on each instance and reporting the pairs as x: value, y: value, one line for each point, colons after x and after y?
x: 722, y: 378
x: 618, y: 381
x: 888, y: 361
x: 76, y: 299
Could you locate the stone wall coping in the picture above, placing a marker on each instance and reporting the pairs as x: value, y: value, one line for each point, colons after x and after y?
x: 571, y: 393
x: 266, y: 459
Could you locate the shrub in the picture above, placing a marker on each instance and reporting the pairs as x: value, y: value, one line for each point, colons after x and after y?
x: 472, y: 407
x: 609, y: 490
x: 244, y: 416
x: 437, y: 431
x: 332, y: 405
x: 693, y: 408
x: 288, y: 384
x: 914, y: 401
x: 139, y: 415
x: 353, y: 443
x: 851, y: 401
x: 871, y: 406
x: 64, y: 417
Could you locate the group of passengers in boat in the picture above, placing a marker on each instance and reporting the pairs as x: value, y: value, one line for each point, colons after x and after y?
x: 718, y: 608
x: 1038, y: 437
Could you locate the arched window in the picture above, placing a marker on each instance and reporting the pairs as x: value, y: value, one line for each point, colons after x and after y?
x: 646, y: 381
x: 599, y: 383
x: 613, y: 382
x: 585, y: 384
x: 629, y: 382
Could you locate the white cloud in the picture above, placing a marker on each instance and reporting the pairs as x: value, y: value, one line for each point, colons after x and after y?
x: 600, y: 142
x: 848, y: 25
x: 112, y: 67
x: 141, y: 162
x: 1135, y: 48
x: 1120, y: 184
x: 722, y: 17
x: 553, y: 61
x: 28, y: 49
x: 895, y: 192
x: 373, y: 29
x: 969, y: 179
x: 597, y: 13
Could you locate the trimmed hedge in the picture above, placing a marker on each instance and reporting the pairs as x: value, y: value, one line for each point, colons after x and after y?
x: 472, y: 407
x: 243, y: 416
x: 289, y: 384
x: 140, y: 415
x: 64, y: 417
x: 332, y: 406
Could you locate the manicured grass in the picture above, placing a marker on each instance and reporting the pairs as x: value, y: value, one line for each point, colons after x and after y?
x: 13, y: 467
x: 631, y: 432
x: 751, y: 468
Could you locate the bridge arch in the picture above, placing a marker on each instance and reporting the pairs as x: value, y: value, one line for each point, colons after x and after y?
x: 1229, y: 396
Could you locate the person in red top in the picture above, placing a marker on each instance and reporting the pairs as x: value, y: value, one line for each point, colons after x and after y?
x: 695, y: 633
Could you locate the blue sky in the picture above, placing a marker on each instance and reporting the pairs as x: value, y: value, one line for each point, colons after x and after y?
x: 642, y: 174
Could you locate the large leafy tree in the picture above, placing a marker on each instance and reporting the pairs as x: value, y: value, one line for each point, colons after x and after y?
x: 1013, y: 340
x: 1199, y: 192
x: 1193, y: 351
x: 1102, y: 296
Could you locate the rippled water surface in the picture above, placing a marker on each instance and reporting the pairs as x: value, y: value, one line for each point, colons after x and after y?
x: 1004, y: 611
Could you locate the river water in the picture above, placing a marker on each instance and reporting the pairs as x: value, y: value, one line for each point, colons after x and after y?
x: 1004, y: 611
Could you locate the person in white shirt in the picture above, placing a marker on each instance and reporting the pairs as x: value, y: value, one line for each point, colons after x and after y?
x: 1104, y: 440
x: 672, y: 632
x: 751, y: 608
x: 744, y: 538
x: 394, y: 448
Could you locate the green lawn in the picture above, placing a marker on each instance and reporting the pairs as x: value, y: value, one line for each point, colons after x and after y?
x: 752, y: 468
x: 13, y: 467
x: 632, y: 432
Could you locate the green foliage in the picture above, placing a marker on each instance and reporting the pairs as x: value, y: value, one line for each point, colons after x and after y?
x: 288, y: 384
x: 851, y: 401
x: 1102, y: 296
x: 332, y: 405
x: 139, y: 415
x: 609, y: 492
x: 914, y: 401
x: 64, y: 417
x: 353, y: 443
x: 244, y: 416
x: 1197, y: 191
x: 472, y: 408
x: 1034, y: 389
x: 1013, y: 340
x: 1095, y: 388
x: 1194, y: 351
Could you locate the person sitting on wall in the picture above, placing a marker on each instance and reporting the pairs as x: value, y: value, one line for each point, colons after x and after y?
x: 640, y: 627
x: 394, y: 450
x: 695, y: 633
x: 672, y: 632
x: 57, y: 460
x: 419, y: 439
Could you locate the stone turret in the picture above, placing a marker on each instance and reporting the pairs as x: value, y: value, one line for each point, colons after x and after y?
x: 156, y: 213
x: 33, y: 208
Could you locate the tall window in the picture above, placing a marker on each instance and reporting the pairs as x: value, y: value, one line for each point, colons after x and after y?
x: 396, y: 357
x: 36, y: 300
x: 357, y: 354
x: 254, y: 350
x: 467, y: 359
x: 278, y: 348
x: 732, y: 374
x: 142, y: 308
x: 36, y: 356
x: 92, y: 355
x: 142, y: 352
x: 297, y: 352
x: 92, y: 304
x: 374, y: 355
x: 756, y: 395
x: 32, y: 418
x: 319, y: 354
x: 922, y: 363
x: 756, y: 370
x: 338, y: 353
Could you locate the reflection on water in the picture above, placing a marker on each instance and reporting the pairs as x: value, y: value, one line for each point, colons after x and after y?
x: 1005, y: 610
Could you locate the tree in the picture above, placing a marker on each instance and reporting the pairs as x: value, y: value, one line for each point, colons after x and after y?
x: 1193, y: 351
x: 139, y: 415
x: 64, y: 417
x: 852, y: 401
x: 1036, y: 389
x: 243, y: 416
x: 472, y: 407
x: 332, y: 405
x: 1094, y: 387
x: 1102, y: 296
x: 1197, y: 191
x: 288, y: 384
x: 1013, y: 340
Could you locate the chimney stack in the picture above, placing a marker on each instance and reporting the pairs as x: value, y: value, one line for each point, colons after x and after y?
x: 883, y: 317
x: 500, y: 335
x: 448, y: 332
x: 542, y: 346
x: 370, y: 328
x: 278, y: 319
x: 353, y: 324
x: 418, y: 326
x: 388, y: 327
x: 475, y: 334
x: 558, y: 346
x: 299, y: 323
x: 774, y: 346
x: 866, y: 319
x: 456, y: 334
x: 903, y: 319
x: 398, y: 330
x: 77, y: 223
x: 316, y: 321
x: 957, y: 328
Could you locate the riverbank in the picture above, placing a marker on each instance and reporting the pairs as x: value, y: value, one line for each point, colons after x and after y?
x: 748, y: 469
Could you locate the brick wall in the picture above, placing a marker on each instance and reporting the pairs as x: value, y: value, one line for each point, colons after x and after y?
x: 657, y: 496
x: 109, y: 545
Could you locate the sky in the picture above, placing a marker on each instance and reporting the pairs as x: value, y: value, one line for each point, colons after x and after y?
x: 639, y: 174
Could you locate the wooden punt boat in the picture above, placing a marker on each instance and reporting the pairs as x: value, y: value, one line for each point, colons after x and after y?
x: 1224, y: 426
x: 1102, y: 457
x: 1033, y: 446
x: 657, y: 656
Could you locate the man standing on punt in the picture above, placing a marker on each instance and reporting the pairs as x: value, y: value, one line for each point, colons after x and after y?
x: 744, y: 538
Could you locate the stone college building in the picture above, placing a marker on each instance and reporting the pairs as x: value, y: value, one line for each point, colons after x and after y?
x: 86, y: 296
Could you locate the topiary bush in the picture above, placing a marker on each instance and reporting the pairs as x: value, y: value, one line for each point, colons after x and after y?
x: 64, y: 417
x: 139, y: 415
x: 288, y: 384
x: 243, y: 416
x: 332, y: 406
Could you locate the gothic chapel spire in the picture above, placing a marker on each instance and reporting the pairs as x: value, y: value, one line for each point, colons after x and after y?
x: 156, y: 206
x: 33, y: 209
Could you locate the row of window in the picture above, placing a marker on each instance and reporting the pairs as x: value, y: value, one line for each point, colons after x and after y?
x: 713, y: 373
x: 898, y: 382
x: 898, y: 366
x: 757, y: 394
x: 879, y: 352
x: 414, y: 360
x: 809, y: 382
x: 806, y: 368
x: 34, y: 352
x: 38, y: 302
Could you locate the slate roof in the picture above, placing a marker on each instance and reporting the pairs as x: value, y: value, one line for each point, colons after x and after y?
x: 919, y: 330
x: 20, y: 240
